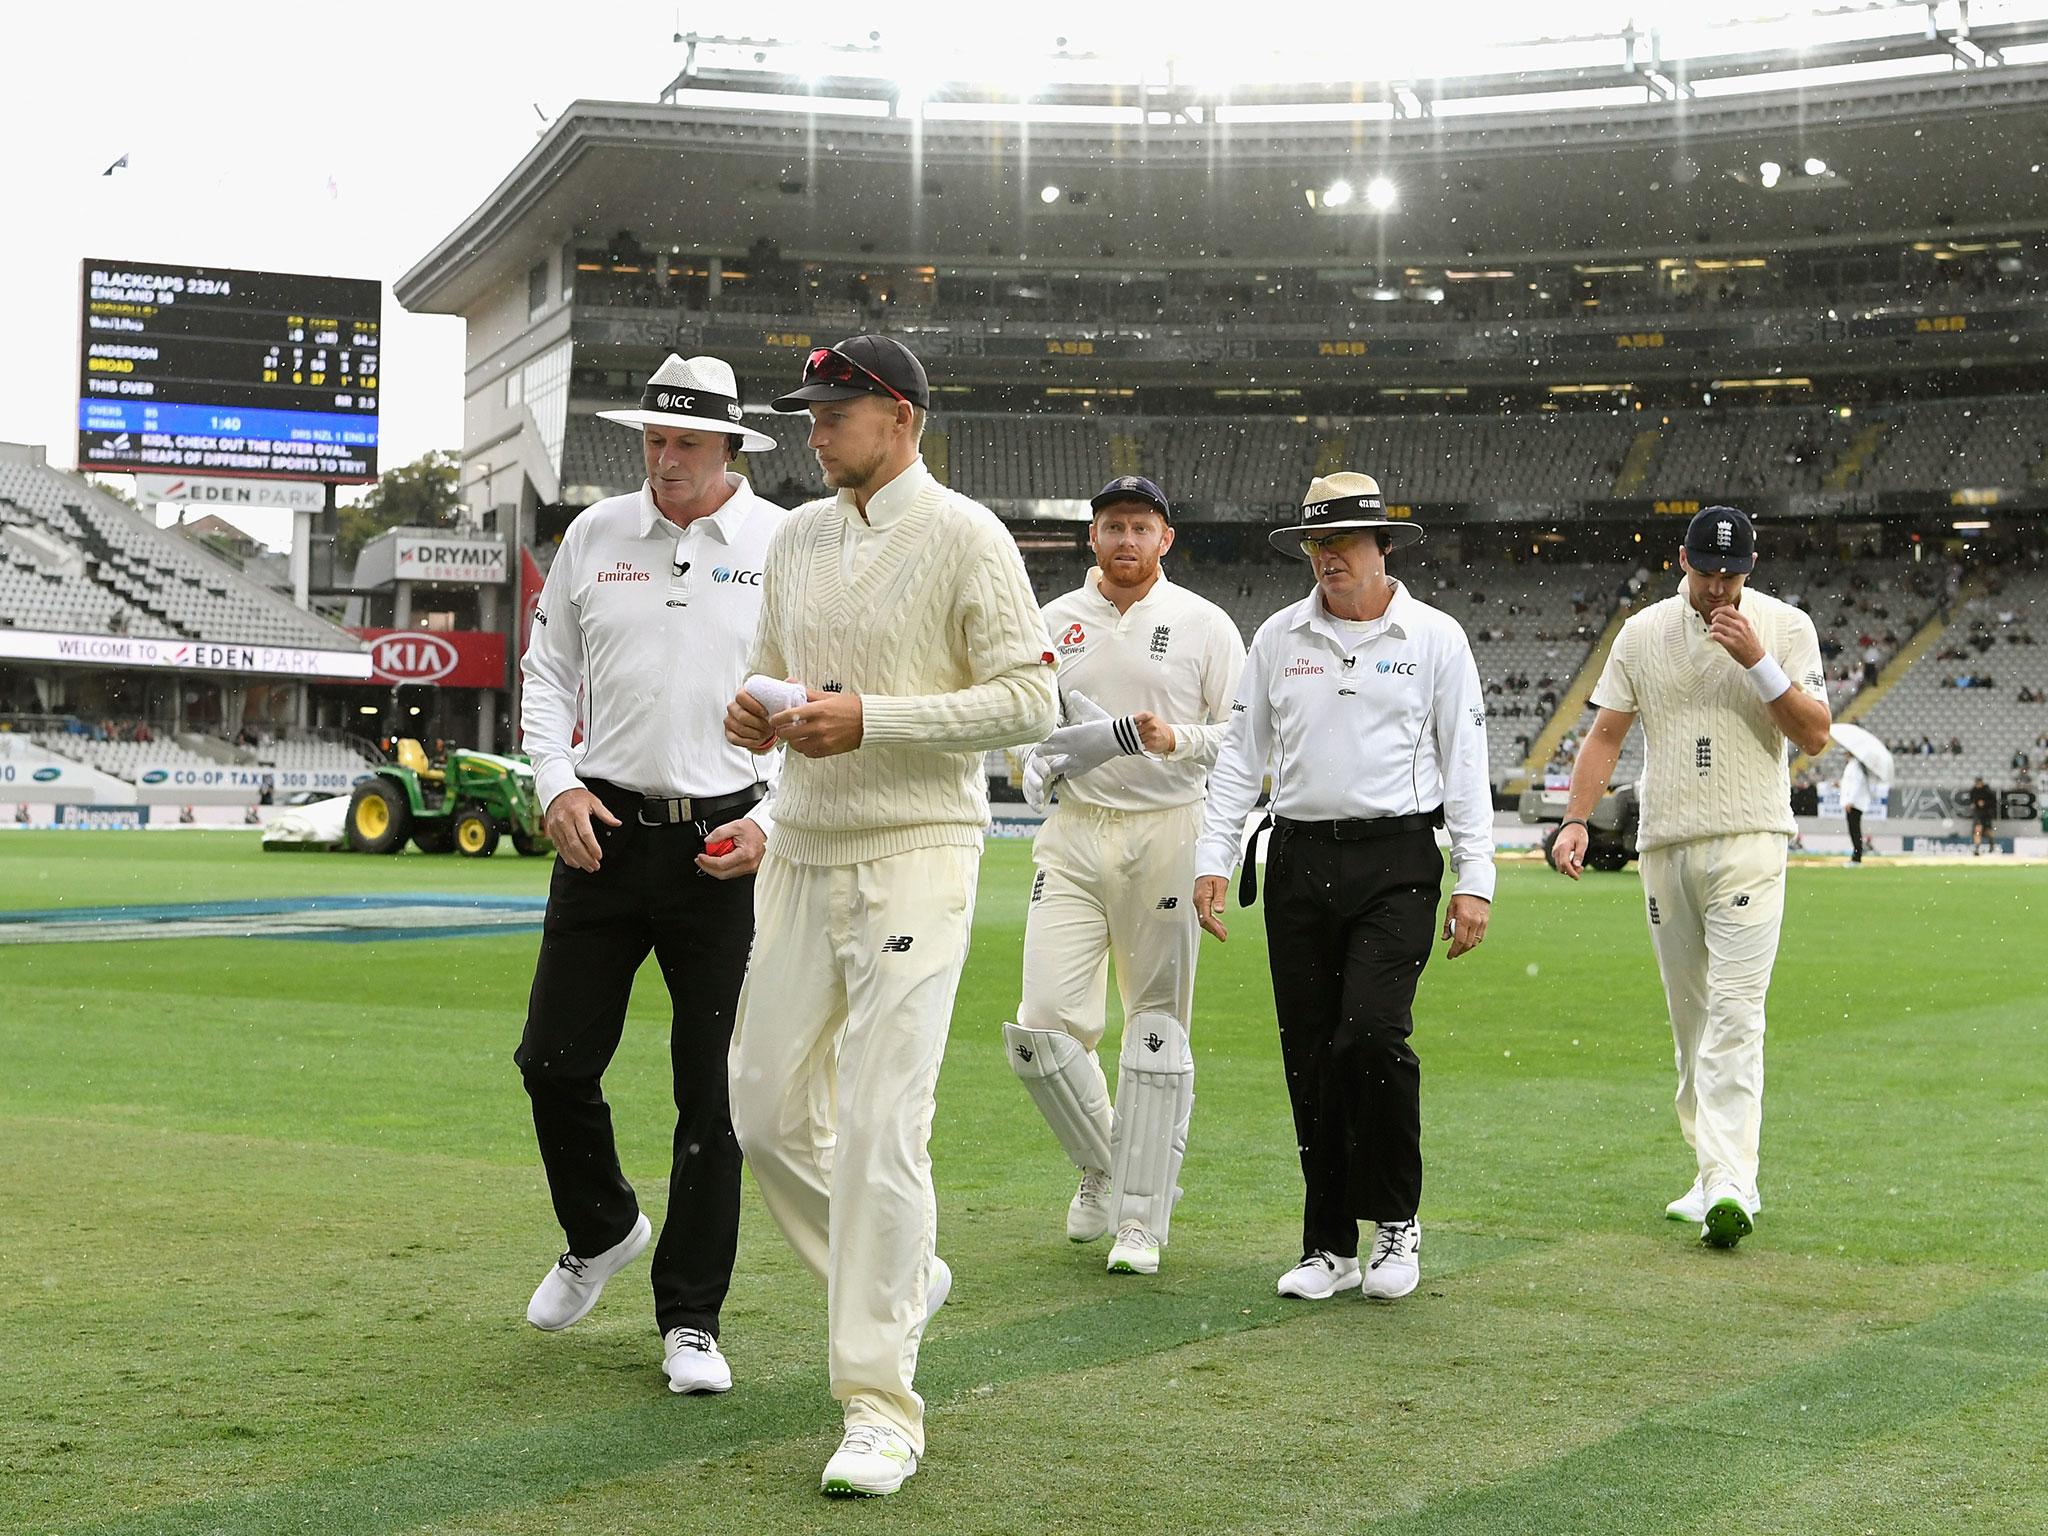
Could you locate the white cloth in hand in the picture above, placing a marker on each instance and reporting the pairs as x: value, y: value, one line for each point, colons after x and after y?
x: 774, y: 695
x: 1094, y: 738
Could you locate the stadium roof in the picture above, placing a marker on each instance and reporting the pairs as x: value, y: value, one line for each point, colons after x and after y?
x: 1937, y: 126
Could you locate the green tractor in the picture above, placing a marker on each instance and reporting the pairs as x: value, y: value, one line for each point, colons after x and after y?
x: 463, y: 806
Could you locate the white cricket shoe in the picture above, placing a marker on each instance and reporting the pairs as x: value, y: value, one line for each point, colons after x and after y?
x: 572, y: 1287
x: 1136, y: 1251
x: 937, y: 1287
x: 1690, y: 1206
x: 1088, y: 1211
x: 1729, y: 1218
x: 871, y: 1461
x: 1396, y: 1263
x: 692, y: 1363
x: 1319, y: 1276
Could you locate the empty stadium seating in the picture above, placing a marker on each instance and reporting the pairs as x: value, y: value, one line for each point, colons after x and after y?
x: 1251, y: 464
x: 139, y: 579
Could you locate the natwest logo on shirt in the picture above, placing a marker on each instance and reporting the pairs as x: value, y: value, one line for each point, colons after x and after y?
x: 624, y: 570
x: 1301, y: 666
x: 1075, y: 638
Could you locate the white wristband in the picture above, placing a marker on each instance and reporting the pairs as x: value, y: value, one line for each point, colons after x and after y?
x: 1768, y: 678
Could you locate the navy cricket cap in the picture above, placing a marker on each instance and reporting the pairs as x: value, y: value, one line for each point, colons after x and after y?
x: 860, y: 365
x: 1132, y: 488
x: 1721, y: 539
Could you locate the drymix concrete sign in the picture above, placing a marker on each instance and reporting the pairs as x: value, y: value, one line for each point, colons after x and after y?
x: 458, y: 562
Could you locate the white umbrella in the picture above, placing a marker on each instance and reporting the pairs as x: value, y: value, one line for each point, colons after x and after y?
x: 1873, y: 754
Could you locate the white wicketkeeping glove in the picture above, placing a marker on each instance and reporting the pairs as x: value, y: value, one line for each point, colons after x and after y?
x: 1094, y: 738
x: 1040, y: 769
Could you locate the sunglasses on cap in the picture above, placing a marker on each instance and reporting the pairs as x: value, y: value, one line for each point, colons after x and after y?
x: 825, y: 366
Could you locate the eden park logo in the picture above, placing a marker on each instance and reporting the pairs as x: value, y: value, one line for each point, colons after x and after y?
x: 1159, y: 637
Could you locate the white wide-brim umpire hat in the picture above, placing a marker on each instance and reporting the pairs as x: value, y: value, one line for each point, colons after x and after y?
x: 1338, y: 503
x: 701, y: 394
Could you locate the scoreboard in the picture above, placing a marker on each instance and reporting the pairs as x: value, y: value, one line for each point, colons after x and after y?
x: 209, y: 370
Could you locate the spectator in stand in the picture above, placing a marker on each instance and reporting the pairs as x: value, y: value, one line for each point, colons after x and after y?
x: 1983, y: 816
x: 1955, y: 746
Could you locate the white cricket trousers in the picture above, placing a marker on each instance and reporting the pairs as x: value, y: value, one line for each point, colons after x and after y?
x: 1715, y: 906
x: 1111, y: 883
x: 835, y: 1058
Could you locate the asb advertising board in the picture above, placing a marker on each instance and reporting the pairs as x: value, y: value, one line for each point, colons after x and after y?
x: 217, y: 371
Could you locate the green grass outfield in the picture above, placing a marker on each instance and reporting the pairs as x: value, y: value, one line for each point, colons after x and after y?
x: 272, y: 1214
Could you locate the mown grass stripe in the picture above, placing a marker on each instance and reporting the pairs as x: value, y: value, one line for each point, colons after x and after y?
x: 551, y: 1460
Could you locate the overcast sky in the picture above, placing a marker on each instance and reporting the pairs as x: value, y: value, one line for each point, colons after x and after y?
x: 348, y: 143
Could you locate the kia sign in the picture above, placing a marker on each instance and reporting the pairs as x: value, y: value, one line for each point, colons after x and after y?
x: 455, y: 562
x: 456, y: 658
x: 412, y: 656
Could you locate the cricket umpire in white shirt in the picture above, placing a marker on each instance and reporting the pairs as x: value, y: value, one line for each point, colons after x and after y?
x: 640, y: 637
x: 1721, y: 677
x: 1366, y: 703
x: 1147, y: 672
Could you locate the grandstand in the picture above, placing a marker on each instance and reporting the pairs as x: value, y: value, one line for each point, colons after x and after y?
x: 112, y: 571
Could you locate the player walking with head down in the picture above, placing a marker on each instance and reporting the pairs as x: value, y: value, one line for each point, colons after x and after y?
x: 1155, y: 665
x: 1721, y: 676
x: 905, y: 608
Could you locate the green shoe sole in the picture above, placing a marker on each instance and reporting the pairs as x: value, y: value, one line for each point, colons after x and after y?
x: 1727, y: 1224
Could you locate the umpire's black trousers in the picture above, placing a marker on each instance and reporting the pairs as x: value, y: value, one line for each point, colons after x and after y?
x: 647, y: 894
x: 1348, y: 929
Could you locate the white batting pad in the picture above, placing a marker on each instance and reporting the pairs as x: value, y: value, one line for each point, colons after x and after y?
x: 1065, y: 1081
x: 1155, y: 1094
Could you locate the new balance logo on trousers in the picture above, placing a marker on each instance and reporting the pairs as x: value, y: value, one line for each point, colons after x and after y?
x: 896, y: 944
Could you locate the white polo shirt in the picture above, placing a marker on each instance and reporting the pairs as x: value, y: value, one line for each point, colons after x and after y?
x: 1358, y: 720
x: 1174, y: 653
x: 640, y: 640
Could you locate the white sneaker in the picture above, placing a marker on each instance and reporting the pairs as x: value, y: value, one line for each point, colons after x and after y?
x: 1396, y: 1260
x: 1319, y: 1277
x: 692, y: 1363
x: 1136, y: 1251
x: 1690, y: 1206
x: 936, y: 1289
x: 572, y: 1287
x: 872, y: 1460
x: 1729, y: 1218
x: 1088, y: 1211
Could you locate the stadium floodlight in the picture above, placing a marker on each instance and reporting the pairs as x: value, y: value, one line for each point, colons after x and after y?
x: 1815, y: 166
x: 1380, y: 193
x: 1048, y: 193
x: 1337, y: 194
x: 1770, y: 171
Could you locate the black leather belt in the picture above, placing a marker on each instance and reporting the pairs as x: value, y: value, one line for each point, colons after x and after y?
x: 1358, y: 831
x: 661, y: 811
x: 1364, y: 830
